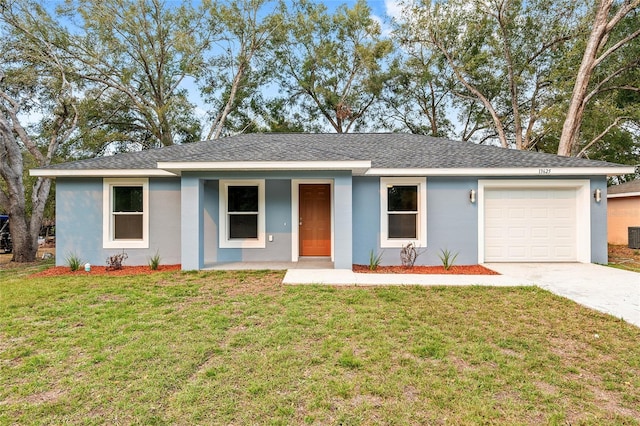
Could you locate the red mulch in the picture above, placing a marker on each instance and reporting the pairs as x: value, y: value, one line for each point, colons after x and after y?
x: 102, y: 270
x: 457, y: 269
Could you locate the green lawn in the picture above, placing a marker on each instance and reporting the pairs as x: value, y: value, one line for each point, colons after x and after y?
x: 240, y: 348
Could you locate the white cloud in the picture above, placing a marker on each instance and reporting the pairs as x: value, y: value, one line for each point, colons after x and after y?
x: 393, y: 9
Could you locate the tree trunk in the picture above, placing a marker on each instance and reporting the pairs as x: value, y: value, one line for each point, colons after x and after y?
x: 602, y: 27
x: 24, y: 249
x: 573, y: 121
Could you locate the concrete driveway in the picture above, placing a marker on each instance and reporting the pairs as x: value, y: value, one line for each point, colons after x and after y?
x: 603, y: 288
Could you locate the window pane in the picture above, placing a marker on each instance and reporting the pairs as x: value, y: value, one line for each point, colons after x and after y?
x: 243, y: 226
x: 403, y: 226
x: 402, y: 198
x: 242, y: 199
x: 127, y: 199
x: 127, y: 227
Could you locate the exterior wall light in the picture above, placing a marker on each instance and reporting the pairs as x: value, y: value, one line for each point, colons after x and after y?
x: 472, y: 196
x: 597, y: 195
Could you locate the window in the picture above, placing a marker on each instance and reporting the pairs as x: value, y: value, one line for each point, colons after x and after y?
x: 242, y: 219
x: 403, y: 211
x: 126, y: 213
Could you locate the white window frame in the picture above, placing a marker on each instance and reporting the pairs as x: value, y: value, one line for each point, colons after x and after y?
x: 108, y: 240
x: 223, y: 231
x: 421, y: 231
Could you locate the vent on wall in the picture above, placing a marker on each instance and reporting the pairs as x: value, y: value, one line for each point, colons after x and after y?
x: 634, y: 237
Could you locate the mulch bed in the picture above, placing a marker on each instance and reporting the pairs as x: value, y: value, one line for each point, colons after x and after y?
x: 457, y: 269
x: 141, y: 270
x: 57, y: 271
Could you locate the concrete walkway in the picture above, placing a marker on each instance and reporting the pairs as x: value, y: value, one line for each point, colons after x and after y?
x: 605, y: 289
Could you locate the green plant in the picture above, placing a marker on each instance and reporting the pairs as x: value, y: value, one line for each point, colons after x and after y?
x: 154, y: 261
x: 374, y: 260
x: 447, y: 257
x: 74, y: 262
x: 115, y: 261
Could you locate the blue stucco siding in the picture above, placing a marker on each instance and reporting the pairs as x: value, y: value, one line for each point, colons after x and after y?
x: 599, y: 249
x: 343, y: 221
x: 164, y: 223
x: 192, y: 222
x: 79, y: 220
x: 278, y: 225
x: 79, y: 214
x: 452, y: 221
x: 366, y: 218
x: 183, y: 220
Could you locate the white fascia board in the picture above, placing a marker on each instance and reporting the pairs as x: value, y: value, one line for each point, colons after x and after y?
x: 506, y: 171
x: 624, y: 194
x: 101, y: 173
x: 357, y: 167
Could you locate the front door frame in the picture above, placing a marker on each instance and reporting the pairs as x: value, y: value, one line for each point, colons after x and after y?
x: 295, y: 214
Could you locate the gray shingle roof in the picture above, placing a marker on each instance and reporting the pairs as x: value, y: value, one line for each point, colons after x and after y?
x: 625, y: 188
x: 384, y: 150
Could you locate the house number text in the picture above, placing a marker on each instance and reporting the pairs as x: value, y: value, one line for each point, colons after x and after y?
x: 544, y: 171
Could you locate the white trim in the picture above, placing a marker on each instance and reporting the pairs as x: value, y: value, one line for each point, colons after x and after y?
x: 123, y: 173
x: 223, y: 226
x: 624, y: 194
x: 107, y: 225
x: 583, y: 209
x: 504, y: 171
x: 295, y: 215
x: 421, y: 183
x: 170, y: 168
x: 358, y: 167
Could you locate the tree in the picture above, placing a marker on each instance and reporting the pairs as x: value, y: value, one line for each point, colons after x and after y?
x: 600, y: 47
x: 417, y: 98
x: 34, y: 79
x: 499, y: 54
x: 242, y: 34
x: 135, y: 56
x: 333, y: 65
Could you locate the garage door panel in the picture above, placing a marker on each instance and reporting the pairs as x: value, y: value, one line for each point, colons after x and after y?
x: 540, y: 232
x: 530, y: 225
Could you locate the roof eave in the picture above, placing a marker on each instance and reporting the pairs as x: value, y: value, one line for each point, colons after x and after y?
x: 623, y: 194
x: 53, y: 173
x: 504, y: 171
x: 358, y: 168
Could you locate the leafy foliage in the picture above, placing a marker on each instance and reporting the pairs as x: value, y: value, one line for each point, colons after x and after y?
x: 154, y: 261
x: 448, y: 258
x: 73, y: 261
x: 374, y: 260
x: 333, y: 66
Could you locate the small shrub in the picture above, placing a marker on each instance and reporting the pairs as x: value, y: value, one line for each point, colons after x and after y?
x: 115, y: 262
x: 374, y: 260
x: 154, y: 261
x: 74, y: 262
x: 408, y: 255
x: 447, y: 258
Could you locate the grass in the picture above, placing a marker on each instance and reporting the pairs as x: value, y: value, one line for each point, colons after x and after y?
x: 239, y: 348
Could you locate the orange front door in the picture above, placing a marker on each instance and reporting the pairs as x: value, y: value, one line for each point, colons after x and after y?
x: 315, y: 219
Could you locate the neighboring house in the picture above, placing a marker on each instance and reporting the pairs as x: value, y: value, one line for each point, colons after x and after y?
x: 623, y: 211
x: 279, y: 197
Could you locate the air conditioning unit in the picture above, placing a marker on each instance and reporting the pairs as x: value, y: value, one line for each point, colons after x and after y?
x: 634, y: 237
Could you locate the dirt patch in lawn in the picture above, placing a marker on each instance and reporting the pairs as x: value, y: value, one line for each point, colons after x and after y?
x: 457, y: 270
x: 102, y: 270
x: 624, y: 256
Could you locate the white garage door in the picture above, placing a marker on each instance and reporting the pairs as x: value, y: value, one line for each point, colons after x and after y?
x: 530, y: 225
